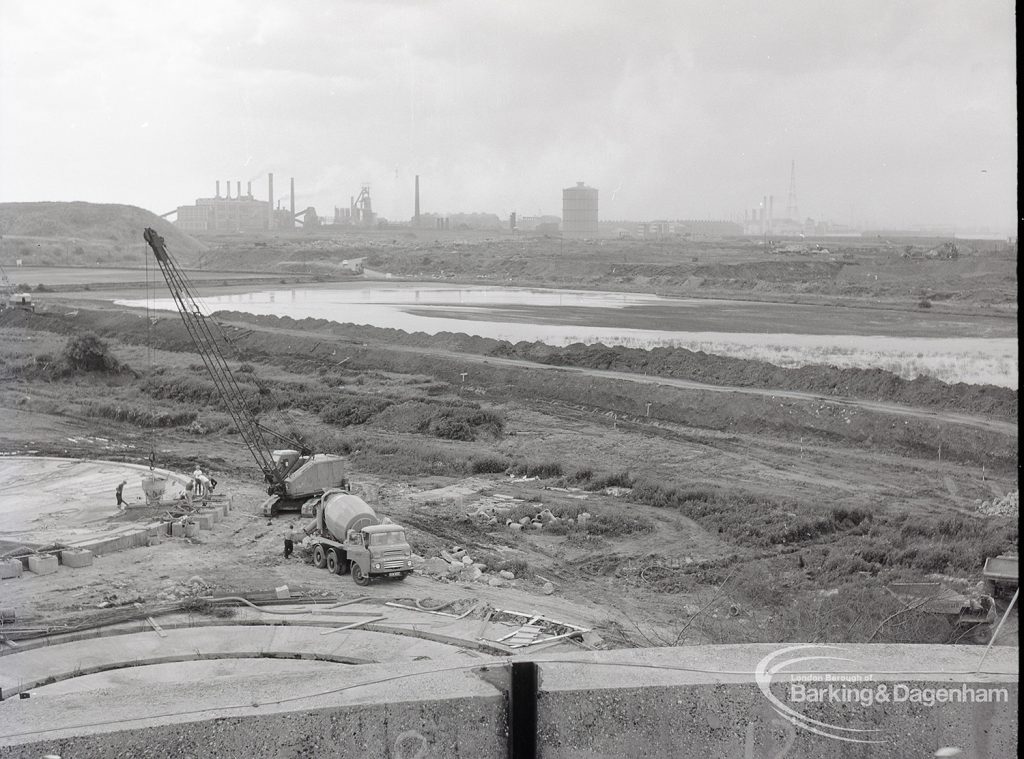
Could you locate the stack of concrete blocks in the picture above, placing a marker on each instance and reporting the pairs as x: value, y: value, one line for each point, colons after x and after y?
x: 76, y: 558
x: 10, y: 569
x: 42, y: 564
x: 177, y: 529
x: 204, y: 520
x: 191, y: 529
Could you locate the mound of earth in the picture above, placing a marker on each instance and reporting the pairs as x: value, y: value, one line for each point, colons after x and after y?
x: 84, y: 230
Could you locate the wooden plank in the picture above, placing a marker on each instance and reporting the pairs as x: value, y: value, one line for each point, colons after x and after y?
x: 353, y: 625
x: 158, y: 628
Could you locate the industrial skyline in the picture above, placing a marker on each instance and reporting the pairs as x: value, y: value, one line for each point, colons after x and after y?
x: 896, y: 114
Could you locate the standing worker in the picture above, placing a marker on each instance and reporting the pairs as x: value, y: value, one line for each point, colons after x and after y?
x: 118, y: 493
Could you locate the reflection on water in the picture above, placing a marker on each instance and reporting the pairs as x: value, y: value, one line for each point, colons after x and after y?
x: 561, y: 317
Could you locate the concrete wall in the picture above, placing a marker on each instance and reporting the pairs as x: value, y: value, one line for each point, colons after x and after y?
x: 700, y: 701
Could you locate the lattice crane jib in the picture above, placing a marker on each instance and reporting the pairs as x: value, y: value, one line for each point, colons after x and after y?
x: 210, y: 341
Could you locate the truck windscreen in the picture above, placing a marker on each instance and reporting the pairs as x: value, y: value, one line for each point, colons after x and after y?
x: 387, y: 538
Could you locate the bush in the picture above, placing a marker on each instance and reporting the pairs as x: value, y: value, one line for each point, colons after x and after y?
x: 541, y: 469
x: 453, y: 422
x: 88, y: 353
x: 489, y: 465
x: 583, y: 474
x: 353, y: 410
x: 615, y: 480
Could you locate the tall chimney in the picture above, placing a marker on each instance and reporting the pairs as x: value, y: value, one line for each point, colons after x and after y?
x: 227, y: 189
x: 218, y: 188
x: 293, y: 198
x: 416, y: 215
x: 248, y: 189
x: 238, y: 189
x: 771, y: 210
x: 270, y: 204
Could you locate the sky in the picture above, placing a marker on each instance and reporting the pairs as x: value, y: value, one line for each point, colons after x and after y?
x: 896, y: 112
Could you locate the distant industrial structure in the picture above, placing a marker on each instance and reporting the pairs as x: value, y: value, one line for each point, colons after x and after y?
x: 761, y: 221
x: 359, y: 212
x: 579, y: 211
x: 241, y: 213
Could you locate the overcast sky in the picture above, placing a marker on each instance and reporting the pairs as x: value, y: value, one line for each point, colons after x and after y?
x: 896, y: 113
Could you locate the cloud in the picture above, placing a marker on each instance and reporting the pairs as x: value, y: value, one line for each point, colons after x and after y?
x: 685, y: 108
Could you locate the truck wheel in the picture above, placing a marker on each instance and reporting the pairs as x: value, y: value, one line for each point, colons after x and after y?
x: 319, y: 556
x: 358, y: 577
x: 333, y: 565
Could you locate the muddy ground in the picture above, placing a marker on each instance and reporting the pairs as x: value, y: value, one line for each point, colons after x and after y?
x: 715, y: 516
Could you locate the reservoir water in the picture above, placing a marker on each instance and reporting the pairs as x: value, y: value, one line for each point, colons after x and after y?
x: 952, y: 348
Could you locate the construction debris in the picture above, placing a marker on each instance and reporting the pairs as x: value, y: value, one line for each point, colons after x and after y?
x: 1007, y: 506
x: 936, y: 598
x: 535, y: 630
x: 457, y: 609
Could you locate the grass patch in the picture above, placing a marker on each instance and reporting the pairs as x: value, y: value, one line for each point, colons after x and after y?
x: 541, y: 469
x: 489, y: 465
x: 748, y: 519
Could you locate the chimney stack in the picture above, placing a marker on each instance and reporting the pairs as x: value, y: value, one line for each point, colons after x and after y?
x: 416, y: 214
x: 248, y: 189
x: 238, y: 189
x: 270, y: 204
x: 218, y: 188
x: 293, y: 197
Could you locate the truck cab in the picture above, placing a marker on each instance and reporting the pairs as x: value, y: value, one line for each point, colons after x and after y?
x: 379, y: 550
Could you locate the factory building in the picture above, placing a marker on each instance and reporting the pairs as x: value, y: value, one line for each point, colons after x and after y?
x: 579, y: 211
x: 224, y: 213
x: 241, y: 213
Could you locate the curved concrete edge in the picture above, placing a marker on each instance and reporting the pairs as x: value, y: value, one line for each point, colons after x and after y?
x: 25, y: 670
x: 691, y: 701
x: 249, y: 618
x: 364, y: 708
x: 60, y: 676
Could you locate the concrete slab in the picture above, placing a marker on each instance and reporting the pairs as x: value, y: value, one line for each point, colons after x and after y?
x: 27, y: 668
x: 42, y: 564
x: 45, y: 500
x: 10, y: 568
x: 76, y: 558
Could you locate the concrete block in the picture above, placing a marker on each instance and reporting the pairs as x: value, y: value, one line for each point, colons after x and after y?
x: 10, y: 569
x: 191, y: 530
x: 225, y: 508
x: 42, y: 565
x: 76, y: 559
x: 282, y: 592
x: 177, y: 530
x: 205, y: 521
x: 155, y: 540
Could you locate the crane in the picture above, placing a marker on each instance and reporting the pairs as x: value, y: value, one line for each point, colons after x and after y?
x: 295, y: 479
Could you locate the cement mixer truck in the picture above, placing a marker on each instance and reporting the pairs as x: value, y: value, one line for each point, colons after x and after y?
x: 347, y: 536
